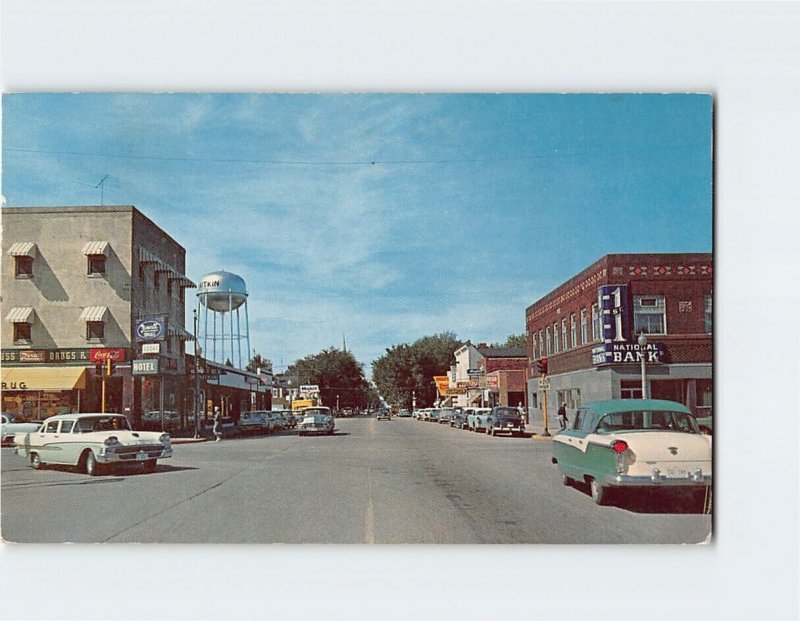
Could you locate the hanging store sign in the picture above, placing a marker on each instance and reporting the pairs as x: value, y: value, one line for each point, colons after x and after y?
x: 615, y: 313
x: 101, y: 355
x: 151, y: 348
x: 150, y: 329
x: 145, y: 366
x: 442, y: 384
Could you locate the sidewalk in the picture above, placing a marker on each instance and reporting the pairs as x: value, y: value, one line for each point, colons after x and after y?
x: 537, y: 431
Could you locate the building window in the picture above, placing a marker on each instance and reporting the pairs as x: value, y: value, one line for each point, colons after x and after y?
x: 541, y: 344
x: 22, y: 332
x: 584, y: 327
x: 630, y: 390
x: 169, y: 287
x: 180, y: 295
x: 555, y: 338
x: 156, y: 279
x: 573, y: 329
x: 95, y: 330
x: 649, y: 314
x: 142, y: 273
x: 595, y: 322
x: 97, y: 264
x: 547, y: 341
x: 533, y: 347
x: 708, y: 315
x: 23, y: 267
x: 564, y: 333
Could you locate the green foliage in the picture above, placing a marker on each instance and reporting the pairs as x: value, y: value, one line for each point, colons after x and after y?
x: 407, y: 370
x: 514, y: 340
x: 337, y: 373
x: 257, y: 362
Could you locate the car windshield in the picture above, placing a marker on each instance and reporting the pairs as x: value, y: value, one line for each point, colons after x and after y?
x: 647, y: 420
x: 101, y: 423
x: 506, y: 412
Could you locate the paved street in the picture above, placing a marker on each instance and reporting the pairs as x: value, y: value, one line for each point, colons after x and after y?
x: 399, y: 481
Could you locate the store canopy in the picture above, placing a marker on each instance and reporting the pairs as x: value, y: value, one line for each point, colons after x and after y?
x: 180, y: 333
x: 94, y: 313
x: 22, y: 249
x: 20, y: 314
x: 43, y: 378
x: 95, y: 247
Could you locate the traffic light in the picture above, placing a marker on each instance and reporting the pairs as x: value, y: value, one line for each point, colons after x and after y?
x: 541, y: 366
x: 109, y: 366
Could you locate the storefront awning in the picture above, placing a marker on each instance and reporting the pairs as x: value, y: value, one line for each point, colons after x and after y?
x: 43, y: 378
x: 95, y: 247
x: 94, y: 313
x: 20, y: 314
x: 180, y: 333
x: 22, y: 249
x: 145, y: 256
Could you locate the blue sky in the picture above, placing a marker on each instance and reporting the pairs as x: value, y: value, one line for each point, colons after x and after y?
x: 379, y: 217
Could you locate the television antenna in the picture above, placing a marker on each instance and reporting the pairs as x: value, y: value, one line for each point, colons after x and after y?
x: 101, y: 185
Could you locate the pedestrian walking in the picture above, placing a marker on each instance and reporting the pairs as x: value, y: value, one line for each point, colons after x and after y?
x: 562, y: 416
x: 217, y: 423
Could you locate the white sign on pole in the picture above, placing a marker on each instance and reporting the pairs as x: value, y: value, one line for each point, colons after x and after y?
x: 151, y: 348
x: 544, y: 383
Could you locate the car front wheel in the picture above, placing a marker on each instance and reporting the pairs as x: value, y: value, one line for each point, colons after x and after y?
x: 36, y: 461
x: 93, y: 468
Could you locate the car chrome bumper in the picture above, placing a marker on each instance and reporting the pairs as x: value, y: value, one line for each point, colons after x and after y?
x: 128, y: 456
x: 657, y: 479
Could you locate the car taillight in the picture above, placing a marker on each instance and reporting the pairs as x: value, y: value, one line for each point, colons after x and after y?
x: 619, y: 446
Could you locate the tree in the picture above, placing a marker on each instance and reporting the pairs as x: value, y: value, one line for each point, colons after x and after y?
x: 406, y: 371
x: 514, y: 340
x: 257, y: 362
x: 338, y: 374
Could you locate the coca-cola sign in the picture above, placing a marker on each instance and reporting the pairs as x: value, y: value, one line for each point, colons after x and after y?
x: 101, y: 355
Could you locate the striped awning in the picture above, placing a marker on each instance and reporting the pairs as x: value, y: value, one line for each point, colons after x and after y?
x: 43, y: 378
x: 20, y: 314
x: 22, y: 249
x: 181, y: 280
x: 180, y: 333
x: 94, y: 313
x: 95, y: 247
x: 145, y: 256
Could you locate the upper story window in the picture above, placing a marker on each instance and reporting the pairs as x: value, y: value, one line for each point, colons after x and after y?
x: 95, y: 330
x: 23, y: 253
x: 547, y: 341
x: 95, y: 252
x: 169, y: 286
x: 23, y: 267
x: 708, y: 315
x: 541, y: 344
x: 555, y: 338
x: 534, y: 349
x: 22, y: 332
x: 156, y: 279
x: 596, y: 322
x: 584, y: 327
x: 142, y: 272
x: 564, y: 341
x: 649, y: 314
x: 573, y: 330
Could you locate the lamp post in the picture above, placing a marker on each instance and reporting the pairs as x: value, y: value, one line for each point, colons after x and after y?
x: 642, y: 344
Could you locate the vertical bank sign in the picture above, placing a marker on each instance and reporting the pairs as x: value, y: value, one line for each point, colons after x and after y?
x: 150, y: 329
x: 616, y: 326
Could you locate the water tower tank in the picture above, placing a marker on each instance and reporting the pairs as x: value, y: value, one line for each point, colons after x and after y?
x: 222, y: 291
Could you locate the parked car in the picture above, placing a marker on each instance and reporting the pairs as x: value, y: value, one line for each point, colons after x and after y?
x: 634, y: 443
x: 316, y: 419
x: 459, y: 419
x: 477, y: 419
x: 254, y: 422
x: 404, y: 414
x: 92, y: 442
x: 424, y: 414
x: 433, y: 415
x: 504, y: 419
x: 12, y: 425
x: 445, y: 414
x: 384, y: 415
x: 706, y: 422
x: 228, y: 427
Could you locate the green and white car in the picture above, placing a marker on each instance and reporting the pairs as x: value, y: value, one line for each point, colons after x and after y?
x: 316, y: 419
x: 92, y: 442
x: 638, y: 443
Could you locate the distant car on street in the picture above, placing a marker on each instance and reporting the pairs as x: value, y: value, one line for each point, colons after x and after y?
x: 92, y: 442
x: 633, y: 443
x: 317, y: 420
x: 445, y: 414
x: 504, y: 419
x: 254, y: 422
x: 459, y: 419
x: 476, y: 419
x: 404, y: 414
x: 433, y: 415
x: 384, y: 415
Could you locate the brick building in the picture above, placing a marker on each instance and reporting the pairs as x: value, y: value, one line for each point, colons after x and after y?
x: 504, y: 372
x: 587, y: 328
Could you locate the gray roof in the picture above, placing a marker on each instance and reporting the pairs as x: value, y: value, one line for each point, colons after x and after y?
x: 503, y: 352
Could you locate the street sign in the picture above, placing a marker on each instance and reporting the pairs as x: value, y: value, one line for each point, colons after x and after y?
x: 544, y: 383
x: 146, y: 366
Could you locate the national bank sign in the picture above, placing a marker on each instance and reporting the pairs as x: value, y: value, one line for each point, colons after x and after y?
x: 620, y: 345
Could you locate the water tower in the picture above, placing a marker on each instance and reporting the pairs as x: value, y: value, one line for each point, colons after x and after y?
x: 222, y: 295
